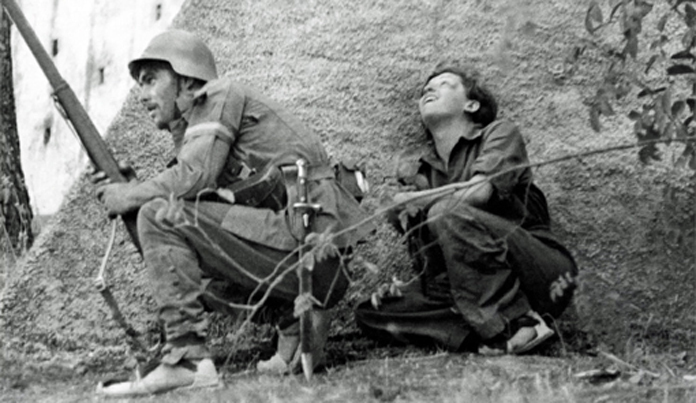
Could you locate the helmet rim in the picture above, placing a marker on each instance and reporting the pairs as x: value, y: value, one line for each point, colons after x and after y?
x: 186, y: 54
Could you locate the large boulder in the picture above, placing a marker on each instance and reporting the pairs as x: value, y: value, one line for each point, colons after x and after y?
x: 352, y: 71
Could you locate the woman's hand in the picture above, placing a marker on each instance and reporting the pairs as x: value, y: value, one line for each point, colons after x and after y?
x: 402, y: 198
x: 389, y: 290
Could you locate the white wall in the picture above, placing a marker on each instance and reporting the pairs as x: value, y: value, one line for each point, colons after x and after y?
x: 95, y: 39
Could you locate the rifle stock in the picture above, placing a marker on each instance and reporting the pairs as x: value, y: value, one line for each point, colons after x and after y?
x: 95, y: 146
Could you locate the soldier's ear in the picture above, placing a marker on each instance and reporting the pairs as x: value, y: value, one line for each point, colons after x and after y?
x: 189, y: 83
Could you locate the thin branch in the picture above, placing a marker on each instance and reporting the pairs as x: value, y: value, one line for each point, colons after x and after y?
x: 627, y: 364
x: 457, y: 186
x: 444, y: 190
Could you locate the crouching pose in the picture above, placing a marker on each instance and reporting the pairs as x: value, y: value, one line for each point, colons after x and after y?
x: 490, y: 271
x: 200, y: 256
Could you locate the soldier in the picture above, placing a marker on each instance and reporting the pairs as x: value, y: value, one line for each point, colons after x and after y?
x: 224, y: 133
x: 488, y: 265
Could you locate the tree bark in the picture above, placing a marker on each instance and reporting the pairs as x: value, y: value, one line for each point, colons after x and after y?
x: 15, y: 212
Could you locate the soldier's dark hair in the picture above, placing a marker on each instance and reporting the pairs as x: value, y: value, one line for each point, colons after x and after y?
x: 137, y: 67
x: 488, y: 106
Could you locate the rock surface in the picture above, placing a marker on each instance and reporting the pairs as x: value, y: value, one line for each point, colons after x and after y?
x: 352, y: 71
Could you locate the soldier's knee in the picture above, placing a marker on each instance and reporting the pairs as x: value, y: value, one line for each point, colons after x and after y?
x: 148, y: 212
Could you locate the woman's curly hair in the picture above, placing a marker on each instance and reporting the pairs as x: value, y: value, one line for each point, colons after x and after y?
x: 488, y: 109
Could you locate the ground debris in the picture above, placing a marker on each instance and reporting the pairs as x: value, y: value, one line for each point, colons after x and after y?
x: 599, y: 375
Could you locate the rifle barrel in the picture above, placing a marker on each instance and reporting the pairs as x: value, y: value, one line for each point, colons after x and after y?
x: 96, y: 147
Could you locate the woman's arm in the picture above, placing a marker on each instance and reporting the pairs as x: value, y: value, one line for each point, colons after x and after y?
x: 476, y: 192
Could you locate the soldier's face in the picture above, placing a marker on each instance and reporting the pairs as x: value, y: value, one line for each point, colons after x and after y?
x: 159, y: 89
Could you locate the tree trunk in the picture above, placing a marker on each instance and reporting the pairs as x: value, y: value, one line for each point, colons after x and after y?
x: 15, y: 212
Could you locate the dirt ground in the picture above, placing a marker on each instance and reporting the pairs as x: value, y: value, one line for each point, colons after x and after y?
x: 351, y: 70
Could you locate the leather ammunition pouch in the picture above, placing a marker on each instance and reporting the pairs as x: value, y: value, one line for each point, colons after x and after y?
x: 265, y: 189
x: 352, y: 177
x: 268, y: 188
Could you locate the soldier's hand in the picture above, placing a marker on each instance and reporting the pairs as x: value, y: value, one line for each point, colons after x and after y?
x: 388, y: 290
x: 99, y: 178
x: 116, y: 197
x: 172, y: 213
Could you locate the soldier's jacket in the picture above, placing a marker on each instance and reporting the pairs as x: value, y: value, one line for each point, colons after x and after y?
x: 229, y: 131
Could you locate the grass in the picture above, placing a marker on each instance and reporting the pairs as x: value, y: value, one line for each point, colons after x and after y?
x: 362, y: 370
x: 351, y: 71
x: 404, y: 375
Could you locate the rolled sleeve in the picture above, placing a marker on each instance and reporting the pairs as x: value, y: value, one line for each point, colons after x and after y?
x: 503, y: 154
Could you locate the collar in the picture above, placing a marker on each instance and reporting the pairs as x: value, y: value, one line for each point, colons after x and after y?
x: 177, y: 129
x: 186, y: 104
x: 431, y: 158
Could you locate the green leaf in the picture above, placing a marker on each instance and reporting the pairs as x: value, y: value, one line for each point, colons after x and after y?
x: 688, y: 39
x: 605, y: 107
x: 358, y: 262
x: 371, y: 267
x: 622, y: 89
x: 596, y: 12
x: 644, y: 8
x: 638, y: 128
x: 684, y: 54
x: 666, y: 101
x: 594, y: 118
x: 322, y: 244
x: 692, y: 163
x: 634, y: 115
x: 681, y: 130
x: 678, y: 69
x: 614, y: 9
x: 650, y: 63
x: 657, y: 43
x: 678, y: 108
x: 648, y: 153
x: 303, y: 303
x: 644, y: 92
x: 593, y: 16
x: 681, y: 162
x: 662, y: 22
x: 631, y: 48
x: 689, y: 15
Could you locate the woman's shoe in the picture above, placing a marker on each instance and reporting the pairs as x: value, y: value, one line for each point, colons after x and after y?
x: 531, y: 332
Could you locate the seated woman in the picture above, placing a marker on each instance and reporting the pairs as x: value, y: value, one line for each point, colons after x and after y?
x: 489, y: 269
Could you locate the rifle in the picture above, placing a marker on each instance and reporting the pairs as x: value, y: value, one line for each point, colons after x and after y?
x: 93, y: 143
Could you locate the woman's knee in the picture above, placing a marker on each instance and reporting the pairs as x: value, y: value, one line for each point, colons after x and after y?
x: 442, y: 212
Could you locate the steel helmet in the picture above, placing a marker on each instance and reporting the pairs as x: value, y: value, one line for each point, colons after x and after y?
x: 188, y: 55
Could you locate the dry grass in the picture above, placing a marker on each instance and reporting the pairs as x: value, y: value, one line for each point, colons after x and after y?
x: 412, y: 376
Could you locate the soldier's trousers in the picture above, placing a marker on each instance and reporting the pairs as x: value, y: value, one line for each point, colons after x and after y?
x: 196, y: 266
